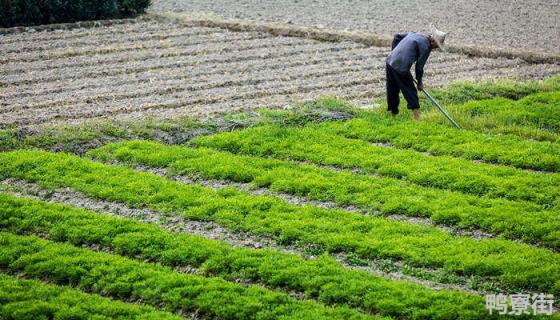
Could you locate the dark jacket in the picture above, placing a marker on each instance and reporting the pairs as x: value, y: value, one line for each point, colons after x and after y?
x: 409, y: 48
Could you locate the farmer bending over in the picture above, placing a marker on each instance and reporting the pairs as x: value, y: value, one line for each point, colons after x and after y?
x: 409, y: 48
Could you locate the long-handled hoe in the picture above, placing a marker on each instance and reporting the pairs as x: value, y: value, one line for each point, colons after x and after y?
x: 439, y: 107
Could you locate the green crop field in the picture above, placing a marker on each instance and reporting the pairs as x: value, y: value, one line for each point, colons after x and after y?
x: 321, y: 211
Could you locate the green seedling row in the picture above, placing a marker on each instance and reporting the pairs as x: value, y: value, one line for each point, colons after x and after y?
x: 539, y: 110
x: 464, y: 91
x: 320, y: 146
x: 153, y: 284
x: 536, y: 116
x: 525, y: 124
x: 508, y: 263
x: 322, y: 279
x: 516, y: 220
x: 31, y: 299
x: 440, y: 140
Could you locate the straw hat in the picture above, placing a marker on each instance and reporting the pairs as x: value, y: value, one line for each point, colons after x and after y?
x: 439, y: 37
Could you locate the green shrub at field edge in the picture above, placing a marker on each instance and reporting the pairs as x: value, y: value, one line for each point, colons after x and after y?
x: 35, y: 12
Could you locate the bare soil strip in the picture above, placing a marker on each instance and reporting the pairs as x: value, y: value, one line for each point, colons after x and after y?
x: 499, y: 23
x: 116, y: 58
x: 190, y: 81
x: 359, y: 94
x: 190, y: 58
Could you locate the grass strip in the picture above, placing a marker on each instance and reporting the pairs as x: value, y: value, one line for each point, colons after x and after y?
x: 511, y: 264
x: 322, y: 279
x: 323, y: 147
x: 464, y: 91
x: 439, y: 140
x: 457, y: 95
x: 535, y: 117
x: 539, y: 110
x: 31, y: 299
x: 514, y: 220
x: 153, y: 284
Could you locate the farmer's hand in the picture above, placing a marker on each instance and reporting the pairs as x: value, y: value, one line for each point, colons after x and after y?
x: 420, y: 86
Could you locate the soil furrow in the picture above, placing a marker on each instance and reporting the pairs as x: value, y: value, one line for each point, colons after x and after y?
x: 359, y: 94
x: 192, y: 65
x: 114, y: 58
x: 204, y: 110
x: 158, y: 35
x: 182, y: 71
x: 188, y: 83
x: 169, y: 87
x: 182, y: 98
x: 178, y: 92
x: 119, y: 58
x: 178, y: 43
x: 165, y: 60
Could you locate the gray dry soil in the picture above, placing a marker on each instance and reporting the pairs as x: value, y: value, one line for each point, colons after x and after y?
x: 533, y: 25
x: 163, y: 70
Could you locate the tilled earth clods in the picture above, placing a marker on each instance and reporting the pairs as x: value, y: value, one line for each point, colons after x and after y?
x: 158, y: 69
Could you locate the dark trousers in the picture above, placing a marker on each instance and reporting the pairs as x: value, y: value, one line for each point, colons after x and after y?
x: 398, y: 82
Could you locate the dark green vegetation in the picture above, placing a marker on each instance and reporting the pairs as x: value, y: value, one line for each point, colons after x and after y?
x: 154, y: 284
x: 322, y: 147
x: 31, y: 299
x: 517, y: 220
x: 465, y: 91
x: 36, y: 12
x: 464, y: 208
x: 437, y: 139
x: 511, y: 264
x: 322, y: 279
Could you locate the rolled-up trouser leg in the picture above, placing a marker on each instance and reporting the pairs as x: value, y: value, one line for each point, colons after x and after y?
x: 393, y: 99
